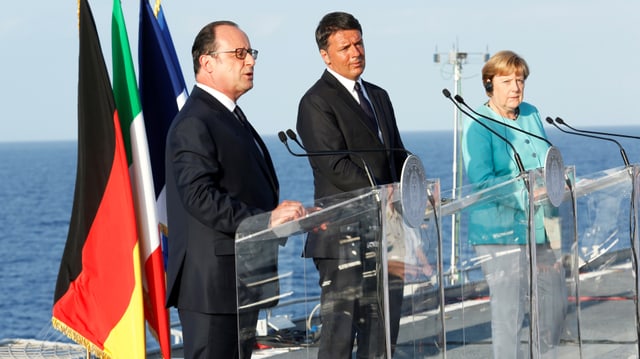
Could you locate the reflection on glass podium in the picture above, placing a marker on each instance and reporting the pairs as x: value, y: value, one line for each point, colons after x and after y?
x: 566, y: 270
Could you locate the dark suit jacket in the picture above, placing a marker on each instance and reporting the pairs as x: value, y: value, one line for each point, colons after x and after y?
x: 330, y: 119
x: 215, y: 178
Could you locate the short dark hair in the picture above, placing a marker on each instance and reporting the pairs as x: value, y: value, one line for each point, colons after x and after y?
x: 205, y: 41
x: 332, y: 22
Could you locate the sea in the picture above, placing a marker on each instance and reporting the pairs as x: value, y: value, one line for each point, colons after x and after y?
x: 37, y: 182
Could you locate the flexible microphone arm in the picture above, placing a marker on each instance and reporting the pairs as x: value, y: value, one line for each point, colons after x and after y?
x: 293, y: 137
x: 561, y: 121
x: 283, y: 139
x: 516, y: 156
x: 461, y: 100
x: 622, y: 152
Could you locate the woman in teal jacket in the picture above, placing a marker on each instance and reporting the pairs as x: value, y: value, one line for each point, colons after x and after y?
x: 498, y: 231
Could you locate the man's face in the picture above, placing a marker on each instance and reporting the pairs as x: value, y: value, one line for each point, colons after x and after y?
x: 224, y: 71
x: 345, y: 53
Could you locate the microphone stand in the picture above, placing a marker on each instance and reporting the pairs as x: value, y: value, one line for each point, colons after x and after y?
x: 622, y: 152
x: 562, y: 122
x: 461, y: 100
x: 293, y: 137
x: 367, y: 170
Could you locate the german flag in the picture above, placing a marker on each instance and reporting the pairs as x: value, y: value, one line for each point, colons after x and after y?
x: 98, y: 296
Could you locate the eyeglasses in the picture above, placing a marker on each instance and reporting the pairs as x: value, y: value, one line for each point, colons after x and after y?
x: 240, y: 52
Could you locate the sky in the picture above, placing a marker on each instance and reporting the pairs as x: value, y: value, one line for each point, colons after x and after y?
x: 583, y: 56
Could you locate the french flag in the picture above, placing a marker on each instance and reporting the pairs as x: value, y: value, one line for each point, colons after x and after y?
x: 162, y: 93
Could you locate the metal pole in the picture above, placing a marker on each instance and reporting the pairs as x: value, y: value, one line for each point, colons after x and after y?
x: 456, y: 59
x: 455, y: 165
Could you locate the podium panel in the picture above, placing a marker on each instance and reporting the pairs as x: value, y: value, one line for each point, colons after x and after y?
x: 374, y: 265
x: 556, y: 272
x: 507, y: 289
x: 418, y: 261
x: 607, y: 205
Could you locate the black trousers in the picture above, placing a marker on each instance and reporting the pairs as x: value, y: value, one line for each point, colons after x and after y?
x: 351, y: 311
x: 209, y: 336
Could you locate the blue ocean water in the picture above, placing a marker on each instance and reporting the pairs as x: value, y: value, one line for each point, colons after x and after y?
x: 36, y: 193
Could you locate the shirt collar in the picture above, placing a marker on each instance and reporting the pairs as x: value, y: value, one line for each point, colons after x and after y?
x: 226, y: 101
x: 347, y: 83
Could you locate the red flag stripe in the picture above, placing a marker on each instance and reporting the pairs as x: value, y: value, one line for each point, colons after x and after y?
x: 98, y: 301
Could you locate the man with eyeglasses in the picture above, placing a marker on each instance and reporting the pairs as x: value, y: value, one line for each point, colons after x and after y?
x: 218, y: 172
x: 341, y: 113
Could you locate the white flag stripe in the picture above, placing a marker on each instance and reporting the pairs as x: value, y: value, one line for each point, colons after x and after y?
x: 143, y: 189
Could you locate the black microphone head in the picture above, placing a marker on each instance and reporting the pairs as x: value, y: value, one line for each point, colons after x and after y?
x: 549, y: 120
x: 446, y: 93
x: 282, y: 137
x: 560, y: 121
x: 291, y: 134
x: 459, y: 99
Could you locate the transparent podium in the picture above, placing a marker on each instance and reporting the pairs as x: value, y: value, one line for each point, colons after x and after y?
x: 380, y: 273
x: 572, y: 294
x: 515, y: 268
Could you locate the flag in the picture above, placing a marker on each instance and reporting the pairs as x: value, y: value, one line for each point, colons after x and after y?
x: 162, y: 92
x: 98, y: 295
x: 135, y: 140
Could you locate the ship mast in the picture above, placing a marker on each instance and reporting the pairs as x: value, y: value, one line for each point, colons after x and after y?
x: 456, y: 59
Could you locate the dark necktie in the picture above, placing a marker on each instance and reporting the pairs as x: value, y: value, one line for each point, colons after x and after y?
x: 241, y: 117
x: 243, y: 120
x: 367, y: 108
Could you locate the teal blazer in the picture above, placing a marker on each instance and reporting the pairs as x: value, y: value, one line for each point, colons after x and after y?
x: 489, y: 160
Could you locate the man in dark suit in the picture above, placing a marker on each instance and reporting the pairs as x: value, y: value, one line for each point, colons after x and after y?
x: 218, y: 172
x: 334, y: 115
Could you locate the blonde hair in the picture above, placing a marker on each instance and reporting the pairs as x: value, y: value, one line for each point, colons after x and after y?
x: 503, y: 63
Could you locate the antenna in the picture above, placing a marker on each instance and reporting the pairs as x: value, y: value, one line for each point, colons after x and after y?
x: 456, y: 59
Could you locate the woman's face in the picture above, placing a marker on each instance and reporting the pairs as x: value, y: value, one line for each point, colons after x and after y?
x: 508, y: 92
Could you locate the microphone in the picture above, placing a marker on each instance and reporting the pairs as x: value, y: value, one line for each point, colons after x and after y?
x: 283, y: 139
x: 516, y: 156
x: 561, y: 121
x: 461, y: 100
x: 622, y: 152
x: 293, y: 137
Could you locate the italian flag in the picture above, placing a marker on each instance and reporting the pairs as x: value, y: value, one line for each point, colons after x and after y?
x: 135, y: 139
x: 98, y: 295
